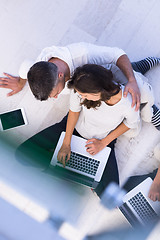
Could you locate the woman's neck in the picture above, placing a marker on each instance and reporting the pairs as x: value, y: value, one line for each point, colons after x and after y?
x: 114, y: 99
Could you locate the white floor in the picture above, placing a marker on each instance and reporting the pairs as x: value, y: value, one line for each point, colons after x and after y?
x: 29, y: 26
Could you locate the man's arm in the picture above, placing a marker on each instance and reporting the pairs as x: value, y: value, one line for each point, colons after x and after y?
x: 124, y: 64
x: 154, y: 192
x: 14, y: 83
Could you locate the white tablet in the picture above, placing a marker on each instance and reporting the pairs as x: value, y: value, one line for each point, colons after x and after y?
x: 12, y: 119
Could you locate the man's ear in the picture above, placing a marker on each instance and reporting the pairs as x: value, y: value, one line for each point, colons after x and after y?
x: 60, y: 75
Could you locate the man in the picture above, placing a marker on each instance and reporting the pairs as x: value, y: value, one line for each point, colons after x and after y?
x: 47, y: 78
x: 55, y: 65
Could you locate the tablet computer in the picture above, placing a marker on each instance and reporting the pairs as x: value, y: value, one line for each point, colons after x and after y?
x: 12, y: 119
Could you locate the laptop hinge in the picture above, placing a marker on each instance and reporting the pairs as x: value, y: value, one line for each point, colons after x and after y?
x: 72, y: 176
x: 132, y: 219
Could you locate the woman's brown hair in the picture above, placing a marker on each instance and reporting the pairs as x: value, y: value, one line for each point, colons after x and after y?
x: 92, y: 78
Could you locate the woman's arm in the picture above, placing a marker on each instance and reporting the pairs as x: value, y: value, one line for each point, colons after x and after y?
x: 95, y: 145
x: 65, y: 150
x: 154, y: 192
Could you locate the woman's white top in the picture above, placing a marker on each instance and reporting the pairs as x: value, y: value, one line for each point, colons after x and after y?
x: 99, y: 122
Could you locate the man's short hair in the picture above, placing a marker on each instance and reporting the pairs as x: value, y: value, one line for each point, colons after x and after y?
x: 42, y: 78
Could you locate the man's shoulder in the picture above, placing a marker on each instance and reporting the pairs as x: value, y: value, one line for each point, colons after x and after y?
x: 78, y: 46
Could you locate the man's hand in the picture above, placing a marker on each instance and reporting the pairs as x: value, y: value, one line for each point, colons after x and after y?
x: 154, y: 192
x: 64, y: 154
x: 14, y: 83
x: 125, y: 66
x: 94, y: 146
x: 133, y: 89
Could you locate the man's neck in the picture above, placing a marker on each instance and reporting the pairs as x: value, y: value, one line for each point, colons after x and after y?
x: 62, y: 67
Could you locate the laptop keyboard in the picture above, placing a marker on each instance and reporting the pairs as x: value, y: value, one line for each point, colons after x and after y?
x: 83, y: 163
x: 143, y: 208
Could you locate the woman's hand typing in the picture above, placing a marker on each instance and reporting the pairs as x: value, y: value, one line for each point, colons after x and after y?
x: 64, y: 154
x: 94, y: 145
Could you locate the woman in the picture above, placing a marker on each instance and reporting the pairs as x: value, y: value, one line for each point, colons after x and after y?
x: 99, y: 113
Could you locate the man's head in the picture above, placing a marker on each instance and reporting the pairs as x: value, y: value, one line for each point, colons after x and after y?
x: 45, y: 81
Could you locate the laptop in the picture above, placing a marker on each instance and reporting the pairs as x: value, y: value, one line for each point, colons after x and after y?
x: 138, y: 208
x: 82, y: 168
